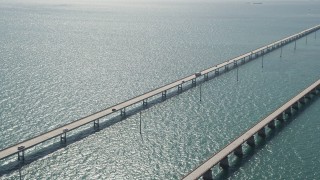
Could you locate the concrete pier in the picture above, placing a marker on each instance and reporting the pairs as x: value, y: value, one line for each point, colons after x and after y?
x: 207, y: 175
x: 238, y: 151
x: 262, y: 132
x: 251, y: 142
x: 271, y: 124
x: 224, y: 163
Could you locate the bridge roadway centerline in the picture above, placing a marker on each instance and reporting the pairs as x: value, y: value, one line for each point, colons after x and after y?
x: 219, y: 156
x: 4, y: 153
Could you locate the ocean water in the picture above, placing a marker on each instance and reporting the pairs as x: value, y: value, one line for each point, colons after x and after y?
x: 61, y: 61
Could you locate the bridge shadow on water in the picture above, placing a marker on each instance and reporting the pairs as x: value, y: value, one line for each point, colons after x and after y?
x: 249, y: 152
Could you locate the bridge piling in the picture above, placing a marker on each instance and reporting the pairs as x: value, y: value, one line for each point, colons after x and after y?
x: 194, y: 82
x: 314, y: 92
x: 308, y: 96
x: 224, y: 163
x: 145, y: 103
x: 251, y: 141
x: 164, y: 95
x: 306, y: 39
x: 288, y: 112
x: 21, y: 153
x: 180, y: 88
x: 206, y: 77
x: 262, y: 133
x: 63, y: 136
x: 295, y: 106
x: 226, y: 68
x: 271, y: 124
x: 140, y: 121
x: 235, y: 64
x: 217, y: 72
x: 123, y: 112
x: 96, y: 124
x: 238, y: 151
x: 280, y: 117
x: 207, y: 175
x: 200, y: 92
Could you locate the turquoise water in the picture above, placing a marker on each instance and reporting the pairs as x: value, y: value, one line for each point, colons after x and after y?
x: 63, y: 61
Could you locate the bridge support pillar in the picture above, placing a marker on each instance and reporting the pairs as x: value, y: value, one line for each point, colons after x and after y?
x: 308, y: 96
x: 63, y: 136
x: 206, y: 77
x: 226, y: 67
x: 179, y: 88
x: 194, y: 82
x: 145, y: 103
x: 207, y: 175
x: 96, y: 124
x: 280, y: 117
x: 235, y: 64
x: 238, y: 151
x: 318, y: 90
x: 302, y: 101
x: 243, y: 60
x: 306, y: 39
x: 314, y: 92
x: 164, y: 95
x: 217, y: 72
x: 271, y: 124
x: 288, y: 111
x: 251, y: 142
x: 224, y: 163
x: 21, y: 153
x: 123, y: 112
x: 295, y: 106
x: 262, y: 133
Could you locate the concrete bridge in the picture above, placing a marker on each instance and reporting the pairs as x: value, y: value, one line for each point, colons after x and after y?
x: 202, y: 76
x: 235, y: 146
